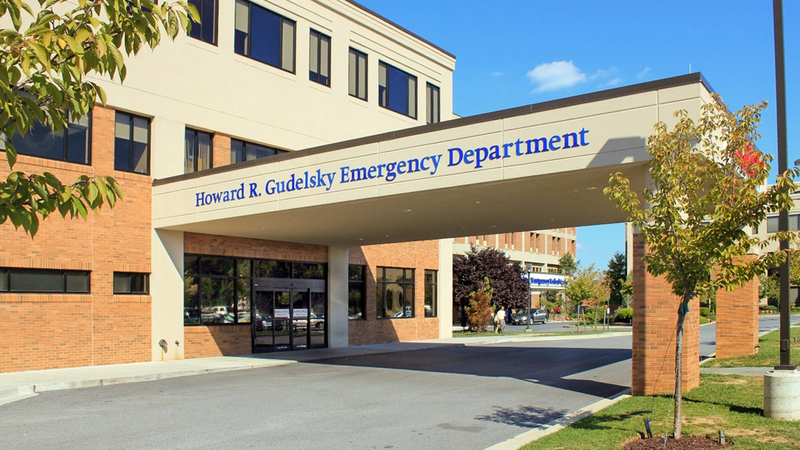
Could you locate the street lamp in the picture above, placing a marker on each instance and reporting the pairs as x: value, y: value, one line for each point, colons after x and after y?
x: 529, y: 266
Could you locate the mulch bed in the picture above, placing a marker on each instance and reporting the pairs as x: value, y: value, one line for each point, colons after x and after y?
x: 684, y: 443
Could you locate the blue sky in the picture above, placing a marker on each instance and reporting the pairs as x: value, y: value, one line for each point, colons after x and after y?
x: 515, y: 52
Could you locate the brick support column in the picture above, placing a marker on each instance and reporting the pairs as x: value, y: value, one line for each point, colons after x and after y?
x: 737, y: 320
x: 655, y: 321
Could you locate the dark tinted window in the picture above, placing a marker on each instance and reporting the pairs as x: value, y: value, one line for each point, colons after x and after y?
x: 248, y: 151
x: 132, y: 143
x: 319, y: 60
x: 70, y: 144
x: 264, y: 36
x: 206, y: 30
x: 44, y: 280
x: 397, y: 90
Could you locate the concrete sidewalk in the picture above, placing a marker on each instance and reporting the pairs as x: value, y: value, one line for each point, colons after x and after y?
x: 19, y: 385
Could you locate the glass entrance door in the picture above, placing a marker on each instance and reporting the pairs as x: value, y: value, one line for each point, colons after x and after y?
x: 288, y: 315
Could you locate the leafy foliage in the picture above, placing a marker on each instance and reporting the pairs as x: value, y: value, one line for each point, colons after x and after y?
x: 587, y: 287
x: 470, y: 270
x: 707, y: 179
x: 616, y: 277
x: 480, y: 310
x: 44, y: 79
x: 568, y: 264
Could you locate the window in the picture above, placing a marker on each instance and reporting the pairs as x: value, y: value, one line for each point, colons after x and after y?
x: 357, y: 300
x: 131, y: 283
x: 395, y: 293
x: 772, y: 223
x: 216, y: 290
x: 44, y: 280
x: 357, y: 83
x: 319, y: 58
x: 264, y: 36
x: 430, y: 293
x: 397, y: 90
x: 132, y: 143
x: 71, y: 144
x: 432, y: 94
x: 197, y: 151
x: 247, y: 151
x: 206, y: 30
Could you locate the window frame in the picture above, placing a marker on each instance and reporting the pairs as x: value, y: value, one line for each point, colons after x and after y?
x: 358, y: 84
x: 201, y: 26
x: 384, y: 92
x: 311, y: 75
x: 130, y: 276
x: 196, y: 150
x: 247, y: 51
x: 65, y: 137
x: 434, y: 291
x: 381, y: 285
x: 430, y: 106
x: 6, y: 281
x: 131, y: 118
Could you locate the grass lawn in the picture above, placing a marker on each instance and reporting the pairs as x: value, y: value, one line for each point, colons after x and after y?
x: 768, y: 356
x: 731, y: 403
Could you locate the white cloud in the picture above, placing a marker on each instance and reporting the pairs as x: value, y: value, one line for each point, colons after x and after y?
x: 498, y: 74
x: 616, y: 81
x: 643, y: 73
x: 556, y: 75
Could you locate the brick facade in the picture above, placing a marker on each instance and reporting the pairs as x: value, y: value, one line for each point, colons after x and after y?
x: 43, y: 331
x: 419, y: 256
x: 655, y: 315
x: 737, y: 320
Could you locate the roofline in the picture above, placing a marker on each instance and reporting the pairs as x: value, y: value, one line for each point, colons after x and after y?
x: 681, y: 80
x: 404, y: 30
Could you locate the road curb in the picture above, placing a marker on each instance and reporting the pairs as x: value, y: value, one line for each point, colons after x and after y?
x: 537, y: 433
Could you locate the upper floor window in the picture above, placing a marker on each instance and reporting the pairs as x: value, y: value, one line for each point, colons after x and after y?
x: 319, y: 58
x: 206, y: 30
x: 397, y: 90
x: 132, y: 143
x: 357, y: 83
x: 264, y: 36
x: 71, y: 144
x: 198, y: 150
x: 248, y: 151
x: 432, y: 94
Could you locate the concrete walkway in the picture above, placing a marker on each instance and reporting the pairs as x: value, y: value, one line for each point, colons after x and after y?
x: 743, y: 371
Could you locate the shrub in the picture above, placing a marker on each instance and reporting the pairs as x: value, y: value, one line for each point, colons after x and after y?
x: 480, y: 311
x: 705, y: 312
x: 624, y: 315
x: 771, y: 308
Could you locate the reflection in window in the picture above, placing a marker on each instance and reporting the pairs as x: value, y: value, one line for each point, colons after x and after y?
x: 248, y: 151
x: 197, y: 155
x: 357, y: 298
x: 395, y: 293
x: 131, y: 283
x: 264, y: 36
x: 44, y: 280
x: 397, y: 90
x: 430, y: 293
x: 70, y: 144
x: 132, y: 143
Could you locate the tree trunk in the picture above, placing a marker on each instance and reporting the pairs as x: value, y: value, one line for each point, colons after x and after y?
x: 595, y: 317
x: 678, y: 394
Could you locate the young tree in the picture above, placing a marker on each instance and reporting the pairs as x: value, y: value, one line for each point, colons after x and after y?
x: 44, y: 80
x: 470, y: 269
x: 707, y: 185
x: 480, y: 310
x: 568, y: 264
x: 587, y: 287
x: 616, y: 275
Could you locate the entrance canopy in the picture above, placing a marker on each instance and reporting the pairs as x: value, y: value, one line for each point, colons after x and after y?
x: 539, y: 166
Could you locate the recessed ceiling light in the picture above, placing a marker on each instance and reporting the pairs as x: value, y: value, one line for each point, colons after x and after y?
x: 407, y: 210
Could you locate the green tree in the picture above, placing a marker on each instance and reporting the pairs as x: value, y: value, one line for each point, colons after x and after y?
x: 44, y: 80
x: 616, y: 276
x: 587, y: 287
x: 568, y: 264
x: 706, y: 186
x: 769, y: 288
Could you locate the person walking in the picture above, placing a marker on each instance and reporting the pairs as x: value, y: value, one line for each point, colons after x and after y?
x: 500, y: 320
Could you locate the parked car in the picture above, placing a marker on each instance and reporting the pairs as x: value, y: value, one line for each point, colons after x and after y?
x: 538, y: 315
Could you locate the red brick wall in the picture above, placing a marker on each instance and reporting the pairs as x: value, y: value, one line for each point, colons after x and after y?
x: 419, y: 256
x: 655, y: 317
x: 737, y: 320
x: 42, y: 331
x: 216, y: 340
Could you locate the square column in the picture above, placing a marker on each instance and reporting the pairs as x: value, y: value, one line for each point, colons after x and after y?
x: 737, y: 320
x: 445, y: 289
x: 655, y: 323
x: 338, y: 294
